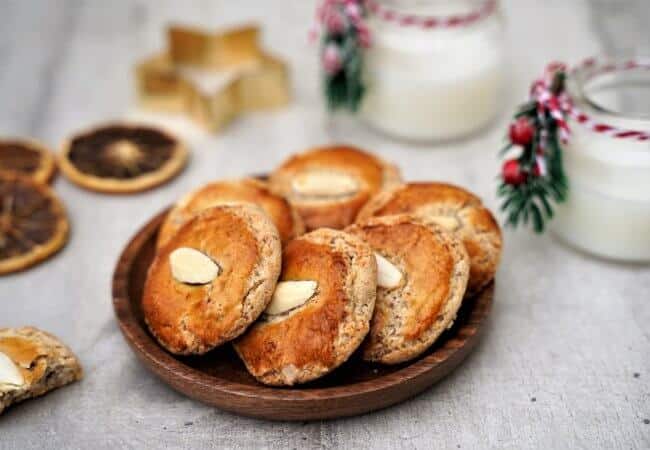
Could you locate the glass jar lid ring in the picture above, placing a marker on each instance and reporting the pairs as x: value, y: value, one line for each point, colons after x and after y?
x: 428, y: 22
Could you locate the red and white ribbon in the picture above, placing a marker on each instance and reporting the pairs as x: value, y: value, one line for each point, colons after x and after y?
x: 561, y: 106
x: 330, y: 16
x: 415, y: 20
x: 333, y: 16
x: 603, y: 128
x: 556, y: 104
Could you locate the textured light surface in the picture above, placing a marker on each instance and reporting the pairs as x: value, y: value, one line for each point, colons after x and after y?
x: 290, y: 294
x: 556, y: 367
x: 9, y: 373
x: 388, y: 276
x: 324, y: 184
x: 190, y: 266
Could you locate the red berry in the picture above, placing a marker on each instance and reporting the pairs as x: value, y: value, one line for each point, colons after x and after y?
x: 521, y: 131
x: 512, y: 174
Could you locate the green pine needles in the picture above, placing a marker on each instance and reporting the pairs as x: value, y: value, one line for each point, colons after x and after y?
x: 344, y: 88
x: 529, y: 195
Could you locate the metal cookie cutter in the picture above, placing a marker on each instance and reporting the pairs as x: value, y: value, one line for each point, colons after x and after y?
x: 212, y: 78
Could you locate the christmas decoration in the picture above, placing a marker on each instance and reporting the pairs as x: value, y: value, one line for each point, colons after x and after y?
x: 531, y: 182
x: 512, y: 173
x: 212, y: 78
x: 535, y: 180
x: 343, y: 35
x: 521, y: 131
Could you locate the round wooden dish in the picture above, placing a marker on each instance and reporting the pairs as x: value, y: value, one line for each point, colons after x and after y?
x: 219, y: 378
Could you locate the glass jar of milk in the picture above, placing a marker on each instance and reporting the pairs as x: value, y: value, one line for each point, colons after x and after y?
x: 607, y: 212
x: 434, y: 69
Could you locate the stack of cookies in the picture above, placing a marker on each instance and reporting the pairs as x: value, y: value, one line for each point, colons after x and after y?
x: 331, y: 254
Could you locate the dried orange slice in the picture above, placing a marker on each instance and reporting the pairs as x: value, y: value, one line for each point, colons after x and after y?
x: 33, y: 222
x: 121, y: 158
x: 28, y: 158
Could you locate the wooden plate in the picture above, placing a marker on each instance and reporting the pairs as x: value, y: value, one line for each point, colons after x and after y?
x: 219, y: 378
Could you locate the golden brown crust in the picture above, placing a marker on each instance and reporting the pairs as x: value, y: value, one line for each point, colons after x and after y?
x: 42, y: 171
x: 166, y: 172
x: 321, y: 334
x: 193, y: 319
x: 39, y: 251
x: 456, y: 210
x: 371, y: 173
x: 44, y: 362
x: 283, y: 215
x: 435, y: 267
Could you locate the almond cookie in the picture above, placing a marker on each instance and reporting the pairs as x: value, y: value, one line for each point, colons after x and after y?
x: 248, y: 190
x: 422, y: 273
x: 320, y: 312
x: 212, y: 279
x: 120, y: 158
x: 454, y: 209
x: 27, y: 157
x: 329, y: 185
x: 33, y: 222
x: 32, y: 363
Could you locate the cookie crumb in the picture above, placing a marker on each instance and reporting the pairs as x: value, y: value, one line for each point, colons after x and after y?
x: 636, y: 374
x: 533, y: 399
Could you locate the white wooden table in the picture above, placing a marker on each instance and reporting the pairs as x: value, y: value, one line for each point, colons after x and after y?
x: 565, y: 362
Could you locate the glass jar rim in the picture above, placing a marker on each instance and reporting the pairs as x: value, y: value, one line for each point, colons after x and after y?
x: 581, y: 78
x: 384, y: 10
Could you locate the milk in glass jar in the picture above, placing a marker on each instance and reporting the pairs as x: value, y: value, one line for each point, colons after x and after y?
x: 607, y: 159
x: 434, y: 69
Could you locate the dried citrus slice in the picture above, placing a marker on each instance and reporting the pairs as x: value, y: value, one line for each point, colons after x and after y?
x: 33, y: 222
x: 27, y: 157
x: 121, y: 158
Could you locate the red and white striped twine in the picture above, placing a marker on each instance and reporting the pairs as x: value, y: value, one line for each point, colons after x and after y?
x: 560, y: 106
x: 414, y: 20
x: 603, y: 128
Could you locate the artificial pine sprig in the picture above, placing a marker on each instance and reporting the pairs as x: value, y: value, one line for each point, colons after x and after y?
x: 534, y: 181
x: 344, y: 36
x: 344, y: 88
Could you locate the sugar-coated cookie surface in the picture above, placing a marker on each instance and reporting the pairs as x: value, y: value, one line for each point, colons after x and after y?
x: 283, y: 215
x: 312, y: 338
x: 420, y: 288
x: 456, y: 210
x: 212, y: 279
x: 328, y: 185
x: 32, y: 363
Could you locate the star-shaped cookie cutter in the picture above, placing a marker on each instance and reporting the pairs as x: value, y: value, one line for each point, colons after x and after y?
x: 212, y: 78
